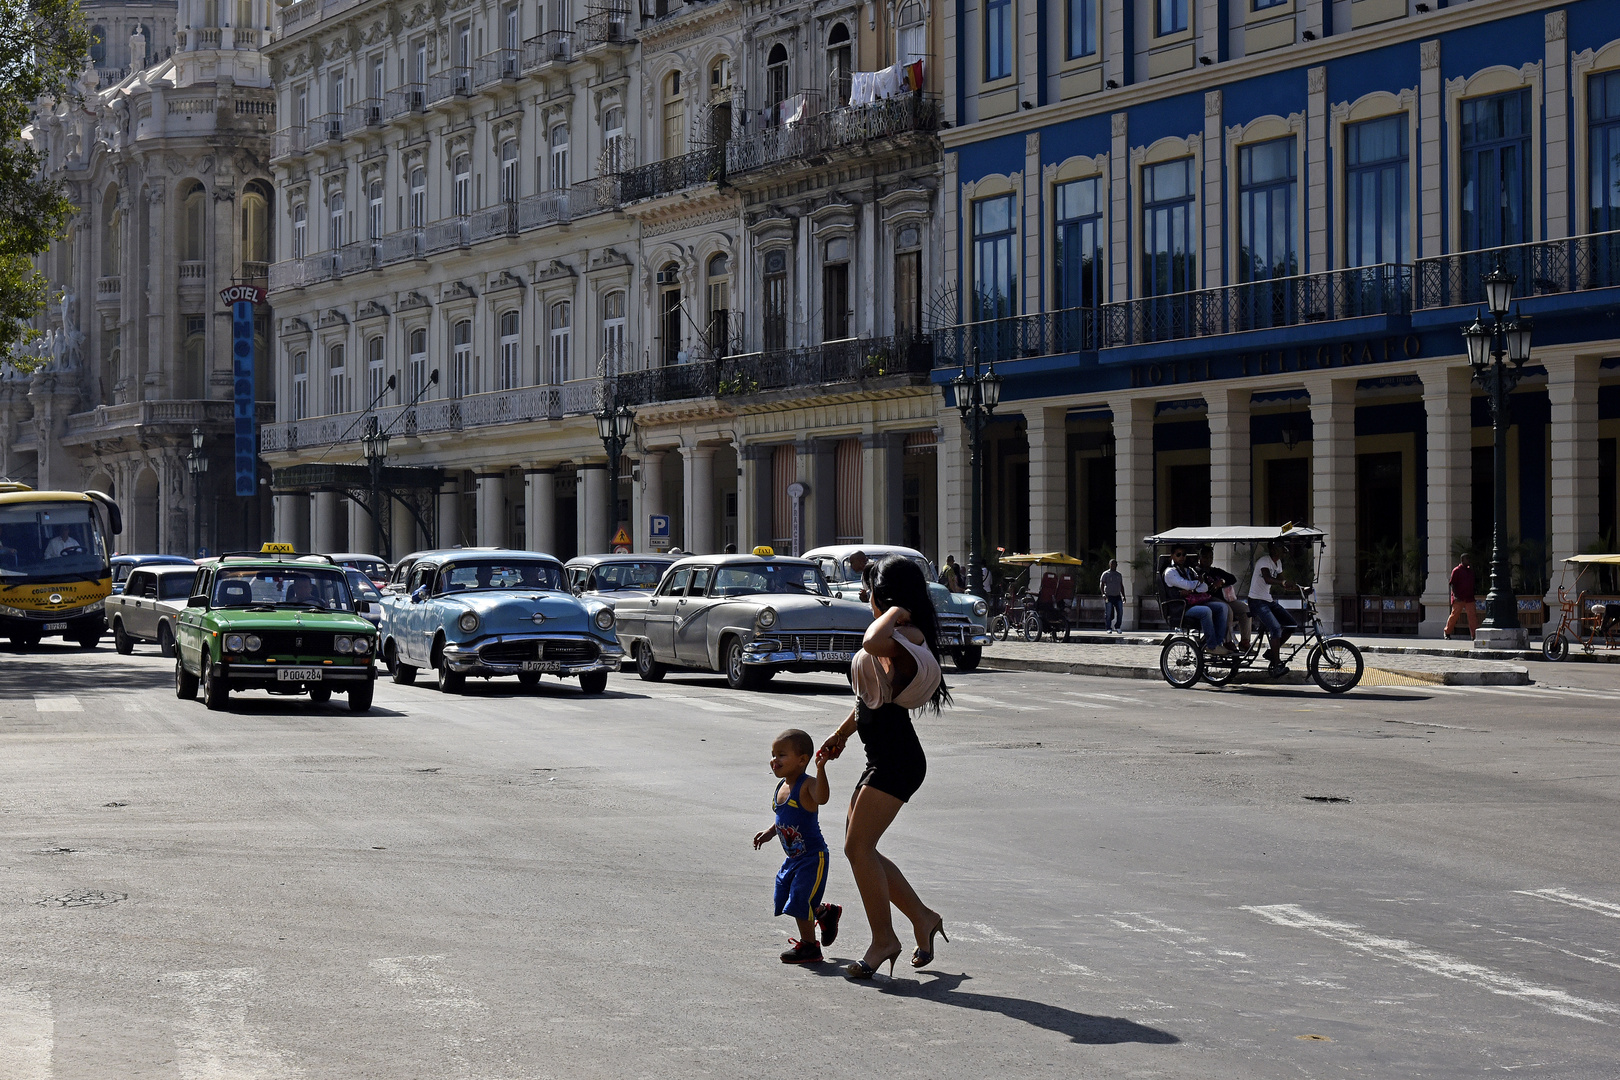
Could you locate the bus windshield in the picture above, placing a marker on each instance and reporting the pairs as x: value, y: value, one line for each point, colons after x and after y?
x: 51, y: 541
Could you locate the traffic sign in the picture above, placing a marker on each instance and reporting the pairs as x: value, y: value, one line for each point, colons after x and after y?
x: 658, y: 531
x: 621, y: 538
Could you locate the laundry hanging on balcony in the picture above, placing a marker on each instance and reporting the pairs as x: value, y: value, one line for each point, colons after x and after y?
x: 792, y: 111
x: 866, y: 87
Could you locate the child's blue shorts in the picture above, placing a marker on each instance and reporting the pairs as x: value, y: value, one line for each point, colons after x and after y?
x: 800, y: 885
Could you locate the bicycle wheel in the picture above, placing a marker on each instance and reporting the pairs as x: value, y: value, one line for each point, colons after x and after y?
x: 998, y: 627
x: 1335, y: 665
x: 1220, y: 670
x: 1555, y: 646
x: 1032, y: 627
x: 1181, y: 662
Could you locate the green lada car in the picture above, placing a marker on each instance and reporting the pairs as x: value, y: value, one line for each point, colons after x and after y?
x: 274, y: 623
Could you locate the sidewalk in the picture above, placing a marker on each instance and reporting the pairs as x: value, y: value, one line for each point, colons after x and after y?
x: 1390, y: 661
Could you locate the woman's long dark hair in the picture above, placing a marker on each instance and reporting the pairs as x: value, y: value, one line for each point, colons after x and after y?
x: 896, y: 581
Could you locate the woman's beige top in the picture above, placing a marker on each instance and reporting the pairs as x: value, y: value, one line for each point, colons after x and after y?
x: 873, y: 682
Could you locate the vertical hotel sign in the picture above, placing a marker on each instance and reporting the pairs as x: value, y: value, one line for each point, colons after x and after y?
x: 242, y: 299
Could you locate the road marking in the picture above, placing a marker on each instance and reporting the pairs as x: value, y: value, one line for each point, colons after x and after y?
x: 695, y: 703
x: 975, y: 699
x: 27, y: 1034
x: 1104, y: 697
x: 1401, y: 951
x: 1564, y: 896
x: 1448, y: 727
x: 785, y: 704
x: 1577, y: 691
x: 214, y: 1040
x: 57, y: 703
x: 452, y: 1007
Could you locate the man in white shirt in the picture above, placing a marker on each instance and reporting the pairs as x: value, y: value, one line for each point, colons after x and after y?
x: 1273, y: 618
x: 62, y: 544
x: 1210, y: 614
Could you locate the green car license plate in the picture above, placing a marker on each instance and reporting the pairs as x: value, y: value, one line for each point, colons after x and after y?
x: 298, y: 674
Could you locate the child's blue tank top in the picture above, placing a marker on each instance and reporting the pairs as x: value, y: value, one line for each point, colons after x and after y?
x: 798, y: 829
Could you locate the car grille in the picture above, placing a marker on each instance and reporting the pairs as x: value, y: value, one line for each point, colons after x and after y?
x: 805, y: 643
x: 561, y: 650
x: 56, y: 616
x: 314, y: 642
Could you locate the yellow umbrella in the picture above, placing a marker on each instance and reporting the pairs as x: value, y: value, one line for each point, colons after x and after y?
x: 1048, y: 557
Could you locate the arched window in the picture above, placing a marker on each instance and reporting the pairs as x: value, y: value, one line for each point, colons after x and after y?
x: 511, y: 362
x: 300, y: 238
x: 112, y: 234
x: 509, y: 170
x: 614, y: 350
x: 419, y: 361
x: 255, y: 227
x: 719, y: 326
x: 838, y: 66
x: 674, y: 116
x: 374, y: 209
x: 669, y: 315
x: 461, y: 365
x: 375, y: 378
x: 418, y: 198
x: 559, y: 157
x: 776, y: 301
x: 334, y: 205
x: 560, y: 355
x: 913, y: 38
x: 776, y: 74
x: 300, y: 385
x: 193, y: 211
x: 615, y: 151
x: 720, y: 100
x: 462, y: 193
x: 337, y: 397
x: 98, y: 45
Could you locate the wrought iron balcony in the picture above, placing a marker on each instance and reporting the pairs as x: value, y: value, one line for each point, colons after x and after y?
x: 450, y: 83
x: 353, y: 258
x: 288, y: 141
x: 666, y: 177
x: 367, y: 112
x: 553, y: 46
x: 500, y: 64
x: 325, y: 129
x: 1045, y: 333
x: 405, y: 99
x: 1546, y: 267
x: 822, y: 133
x: 845, y: 361
x: 605, y: 24
x: 672, y: 382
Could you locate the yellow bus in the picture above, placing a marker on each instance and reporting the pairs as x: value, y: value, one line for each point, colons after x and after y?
x: 54, y: 570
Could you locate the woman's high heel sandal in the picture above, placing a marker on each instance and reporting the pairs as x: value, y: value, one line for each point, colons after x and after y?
x: 921, y: 957
x: 860, y: 969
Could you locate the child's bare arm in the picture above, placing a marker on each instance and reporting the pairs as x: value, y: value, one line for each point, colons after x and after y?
x: 764, y: 837
x: 818, y: 792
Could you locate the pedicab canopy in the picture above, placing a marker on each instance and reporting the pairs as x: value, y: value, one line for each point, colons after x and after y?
x: 1041, y: 559
x: 1237, y: 534
x: 1595, y: 560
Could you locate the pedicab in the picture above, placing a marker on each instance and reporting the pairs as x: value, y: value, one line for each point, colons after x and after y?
x: 1591, y: 625
x: 1334, y: 663
x: 1036, y: 605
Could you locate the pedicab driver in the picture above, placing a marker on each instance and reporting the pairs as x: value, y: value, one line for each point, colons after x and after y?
x: 1211, y: 614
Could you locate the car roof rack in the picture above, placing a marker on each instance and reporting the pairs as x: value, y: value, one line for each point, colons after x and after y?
x: 274, y: 556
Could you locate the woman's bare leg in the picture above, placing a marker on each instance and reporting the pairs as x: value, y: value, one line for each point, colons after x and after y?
x: 903, y: 896
x: 879, y: 880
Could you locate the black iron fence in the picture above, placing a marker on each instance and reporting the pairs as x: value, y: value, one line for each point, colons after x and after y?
x: 820, y: 133
x: 704, y: 166
x: 675, y: 382
x: 1045, y: 333
x: 1572, y: 264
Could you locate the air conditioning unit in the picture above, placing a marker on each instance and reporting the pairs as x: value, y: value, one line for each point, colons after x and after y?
x: 374, y: 114
x: 509, y: 67
x: 669, y: 277
x: 418, y: 99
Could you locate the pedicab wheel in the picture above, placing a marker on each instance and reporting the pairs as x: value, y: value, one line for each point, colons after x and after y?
x: 1335, y: 665
x: 1555, y: 646
x: 1032, y: 627
x: 998, y: 626
x: 1181, y: 662
x: 1221, y: 670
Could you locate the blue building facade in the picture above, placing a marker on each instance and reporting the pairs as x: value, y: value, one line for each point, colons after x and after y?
x: 1221, y: 253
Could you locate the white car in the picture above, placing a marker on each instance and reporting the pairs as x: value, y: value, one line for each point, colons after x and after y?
x: 963, y: 617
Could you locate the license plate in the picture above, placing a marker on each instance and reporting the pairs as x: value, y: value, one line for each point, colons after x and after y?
x: 835, y: 657
x: 298, y: 674
x: 55, y: 626
x: 540, y: 665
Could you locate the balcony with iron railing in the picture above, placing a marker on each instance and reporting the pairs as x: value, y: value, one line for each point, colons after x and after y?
x: 324, y: 129
x: 825, y: 132
x: 1543, y: 268
x: 367, y: 112
x: 501, y: 64
x: 551, y: 47
x: 831, y: 363
x: 404, y: 100
x: 706, y: 166
x: 451, y: 83
x: 605, y: 24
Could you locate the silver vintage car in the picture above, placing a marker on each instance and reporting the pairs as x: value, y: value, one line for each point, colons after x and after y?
x: 145, y: 611
x: 963, y: 617
x: 748, y: 616
x: 611, y: 578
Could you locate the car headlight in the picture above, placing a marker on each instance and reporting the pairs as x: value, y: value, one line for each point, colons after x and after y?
x: 97, y: 606
x: 468, y: 622
x: 604, y: 619
x: 343, y: 645
x: 15, y: 613
x: 362, y: 646
x: 980, y: 607
x: 253, y: 642
x: 767, y: 617
x: 233, y: 642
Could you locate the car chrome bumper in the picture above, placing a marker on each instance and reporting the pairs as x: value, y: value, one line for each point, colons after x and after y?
x: 772, y: 653
x: 466, y: 660
x: 957, y: 635
x: 267, y: 672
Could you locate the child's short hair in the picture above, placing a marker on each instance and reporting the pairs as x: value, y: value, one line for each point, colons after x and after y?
x: 799, y: 741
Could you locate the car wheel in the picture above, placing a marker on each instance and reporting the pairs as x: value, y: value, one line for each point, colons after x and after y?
x: 402, y: 673
x: 185, y: 683
x: 648, y: 668
x: 320, y: 695
x: 89, y: 641
x: 123, y: 644
x: 739, y: 676
x: 165, y: 640
x: 450, y: 682
x: 529, y: 679
x: 216, y: 689
x: 967, y: 658
x: 360, y: 696
x: 593, y: 682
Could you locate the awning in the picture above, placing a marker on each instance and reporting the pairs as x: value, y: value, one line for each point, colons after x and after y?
x: 1595, y: 560
x: 324, y: 477
x: 1049, y: 557
x: 1235, y: 534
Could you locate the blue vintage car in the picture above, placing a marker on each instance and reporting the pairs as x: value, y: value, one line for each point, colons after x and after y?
x: 480, y: 611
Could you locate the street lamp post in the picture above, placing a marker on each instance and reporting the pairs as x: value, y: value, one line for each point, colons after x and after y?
x: 374, y: 442
x: 1497, y: 353
x: 978, y: 392
x: 196, y: 465
x: 615, y: 426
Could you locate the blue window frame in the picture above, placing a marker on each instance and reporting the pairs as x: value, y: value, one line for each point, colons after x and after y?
x: 1171, y: 16
x: 998, y: 39
x: 1268, y: 246
x: 1077, y: 247
x: 1377, y: 192
x: 1169, y: 256
x: 1603, y: 114
x: 1082, y: 28
x: 995, y: 278
x: 1495, y: 170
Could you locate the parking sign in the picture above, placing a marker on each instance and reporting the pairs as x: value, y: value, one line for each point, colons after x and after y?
x: 658, y: 531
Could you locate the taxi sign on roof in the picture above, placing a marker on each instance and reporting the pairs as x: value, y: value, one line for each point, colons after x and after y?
x: 765, y: 550
x: 271, y: 548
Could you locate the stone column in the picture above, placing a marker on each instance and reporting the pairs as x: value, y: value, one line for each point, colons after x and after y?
x: 1316, y: 170
x: 362, y: 530
x: 1231, y: 470
x: 403, y: 537
x: 1214, y: 258
x: 1333, y: 488
x: 1448, y: 406
x: 1572, y: 391
x: 1430, y: 182
x: 540, y: 509
x: 818, y: 469
x: 882, y: 487
x: 491, y: 509
x: 697, y: 471
x: 325, y: 506
x: 449, y: 514
x: 651, y: 492
x: 1119, y: 203
x: 753, y: 497
x: 592, y: 527
x: 1555, y: 24
x: 955, y: 488
x: 1048, y: 477
x: 1133, y: 495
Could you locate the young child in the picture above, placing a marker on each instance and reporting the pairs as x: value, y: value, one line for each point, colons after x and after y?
x: 802, y: 881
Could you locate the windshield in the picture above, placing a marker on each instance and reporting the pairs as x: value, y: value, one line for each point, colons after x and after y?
x: 176, y: 586
x: 629, y: 575
x: 362, y: 587
x: 766, y: 577
x: 846, y: 572
x: 492, y: 574
x: 50, y: 541
x: 267, y: 586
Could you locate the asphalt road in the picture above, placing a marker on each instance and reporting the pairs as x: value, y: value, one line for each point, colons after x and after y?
x: 1138, y: 882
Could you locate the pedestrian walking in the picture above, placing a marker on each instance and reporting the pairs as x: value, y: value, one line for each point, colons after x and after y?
x: 1112, y: 583
x: 1462, y: 596
x: 895, y: 671
x: 801, y: 883
x: 950, y: 575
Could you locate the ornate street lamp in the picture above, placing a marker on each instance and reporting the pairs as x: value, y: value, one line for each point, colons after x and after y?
x: 196, y: 465
x: 978, y: 392
x: 374, y: 443
x: 1497, y: 352
x: 614, y: 426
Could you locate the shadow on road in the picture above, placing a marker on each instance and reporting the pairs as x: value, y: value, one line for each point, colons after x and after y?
x: 22, y: 673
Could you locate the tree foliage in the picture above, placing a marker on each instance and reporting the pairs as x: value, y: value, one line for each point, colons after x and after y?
x: 43, y: 46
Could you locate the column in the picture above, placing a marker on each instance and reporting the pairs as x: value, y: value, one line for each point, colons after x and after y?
x: 449, y: 515
x: 1119, y: 207
x: 1572, y: 391
x: 540, y: 509
x: 362, y: 530
x: 1557, y: 127
x: 955, y: 488
x: 1030, y: 35
x: 323, y: 521
x: 1430, y: 182
x: 697, y: 470
x: 818, y: 469
x: 403, y: 536
x: 1316, y: 170
x: 1214, y: 160
x: 593, y: 508
x: 1210, y: 31
x: 651, y: 495
x: 1333, y: 488
x: 882, y: 487
x: 492, y: 509
x: 1048, y: 477
x: 753, y: 497
x: 1448, y: 406
x: 1231, y: 471
x: 1133, y: 496
x: 1032, y: 233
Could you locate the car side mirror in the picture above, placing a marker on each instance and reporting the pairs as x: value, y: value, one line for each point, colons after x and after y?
x: 419, y: 595
x: 200, y: 600
x: 361, y: 607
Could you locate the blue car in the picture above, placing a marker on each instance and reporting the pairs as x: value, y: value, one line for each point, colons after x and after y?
x: 123, y: 564
x: 488, y: 612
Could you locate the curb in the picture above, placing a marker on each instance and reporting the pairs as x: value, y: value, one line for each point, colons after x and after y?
x: 1509, y: 677
x: 1137, y: 638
